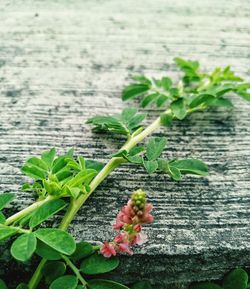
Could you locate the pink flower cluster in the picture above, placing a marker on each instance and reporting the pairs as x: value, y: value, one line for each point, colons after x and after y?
x: 128, y: 224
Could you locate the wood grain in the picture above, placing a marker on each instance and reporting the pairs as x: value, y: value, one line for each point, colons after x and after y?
x: 64, y: 61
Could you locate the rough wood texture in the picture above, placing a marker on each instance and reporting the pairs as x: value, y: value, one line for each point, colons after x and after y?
x: 64, y: 61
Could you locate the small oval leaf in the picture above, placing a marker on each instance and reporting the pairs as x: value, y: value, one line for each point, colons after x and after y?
x: 83, y: 249
x: 97, y: 264
x: 64, y: 282
x: 23, y: 247
x: 53, y: 270
x: 238, y: 278
x: 57, y: 239
x: 47, y: 252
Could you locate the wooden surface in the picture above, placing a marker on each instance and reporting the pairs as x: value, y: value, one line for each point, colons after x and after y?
x: 64, y: 61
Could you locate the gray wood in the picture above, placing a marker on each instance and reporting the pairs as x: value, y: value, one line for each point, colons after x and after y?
x: 64, y: 61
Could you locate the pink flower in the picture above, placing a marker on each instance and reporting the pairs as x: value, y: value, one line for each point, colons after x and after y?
x: 108, y: 250
x: 118, y: 223
x: 137, y: 228
x: 128, y: 224
x: 124, y: 247
x: 141, y: 239
x: 147, y: 218
x: 121, y: 237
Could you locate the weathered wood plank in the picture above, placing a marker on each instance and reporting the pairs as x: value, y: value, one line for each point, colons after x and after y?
x: 64, y: 61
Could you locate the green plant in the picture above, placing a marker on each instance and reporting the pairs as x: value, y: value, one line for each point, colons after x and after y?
x: 65, y: 182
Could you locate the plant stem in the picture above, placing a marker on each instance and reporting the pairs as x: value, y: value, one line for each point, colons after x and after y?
x: 75, y: 270
x: 27, y: 210
x: 37, y: 276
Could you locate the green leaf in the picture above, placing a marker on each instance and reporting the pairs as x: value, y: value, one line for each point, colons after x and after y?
x: 149, y: 99
x: 57, y: 239
x: 245, y: 95
x: 186, y: 64
x: 166, y: 119
x: 2, y: 284
x: 46, y: 211
x: 59, y: 164
x: 2, y: 218
x: 83, y: 249
x: 48, y: 157
x: 190, y: 68
x: 155, y: 147
x: 65, y: 282
x: 22, y: 286
x: 238, y: 278
x: 52, y: 188
x: 36, y: 162
x: 7, y: 232
x: 134, y: 90
x: 221, y: 90
x: 6, y: 198
x: 124, y: 123
x: 108, y: 123
x: 174, y: 173
x: 165, y: 166
x: 142, y: 79
x: 97, y: 264
x: 221, y: 102
x: 105, y: 284
x: 135, y: 122
x: 97, y: 166
x: 142, y: 285
x: 128, y: 114
x: 166, y: 83
x: 150, y: 166
x: 161, y: 100
x: 202, y: 99
x: 190, y: 166
x: 205, y: 285
x: 178, y: 108
x: 53, y: 270
x: 242, y: 90
x: 34, y: 172
x: 84, y: 176
x: 23, y: 247
x: 47, y: 252
x: 25, y: 219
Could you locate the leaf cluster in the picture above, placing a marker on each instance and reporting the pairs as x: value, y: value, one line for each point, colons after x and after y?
x: 197, y: 90
x: 61, y: 176
x: 125, y: 123
x: 149, y: 158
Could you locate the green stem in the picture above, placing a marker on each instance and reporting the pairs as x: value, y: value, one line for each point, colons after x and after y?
x: 37, y: 276
x: 26, y: 211
x: 74, y: 269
